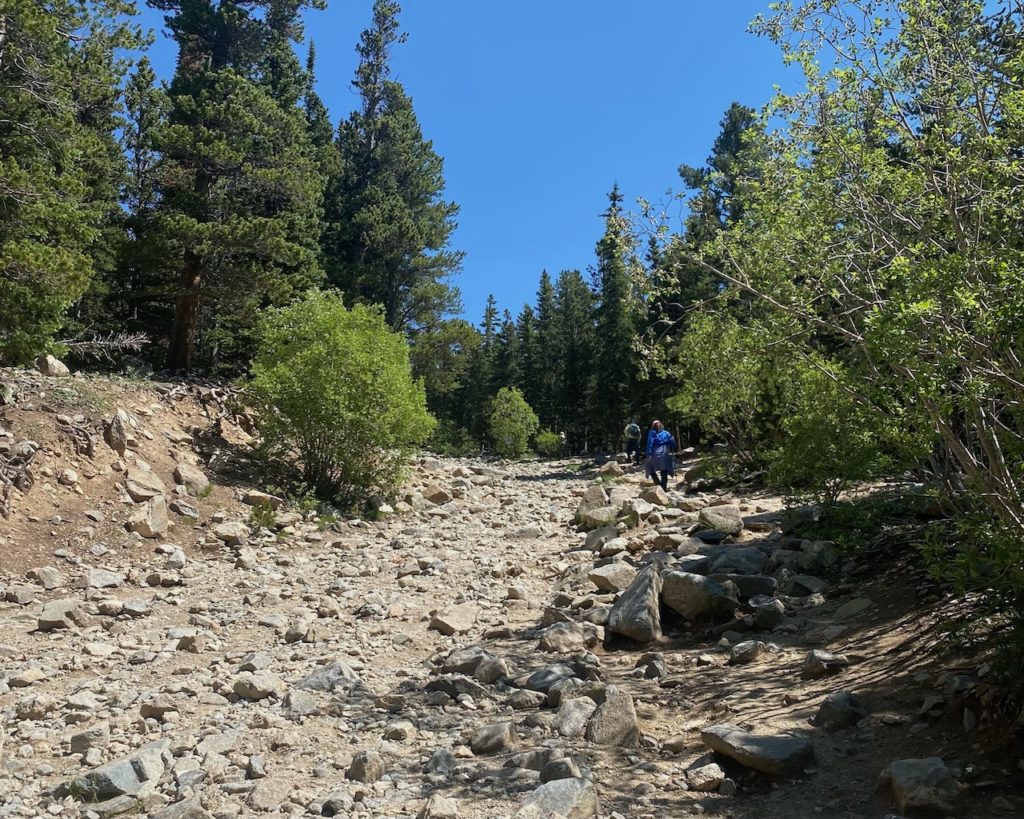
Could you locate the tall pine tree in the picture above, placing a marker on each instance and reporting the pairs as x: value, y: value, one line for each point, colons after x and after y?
x: 574, y: 330
x: 618, y: 315
x: 388, y: 224
x: 59, y: 166
x: 240, y: 187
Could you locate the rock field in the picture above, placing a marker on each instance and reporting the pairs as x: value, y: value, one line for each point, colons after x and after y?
x: 541, y: 639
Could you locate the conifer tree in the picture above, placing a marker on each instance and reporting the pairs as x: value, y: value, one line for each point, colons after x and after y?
x: 59, y: 167
x: 574, y: 329
x: 530, y: 356
x: 239, y: 182
x: 618, y: 320
x: 388, y: 224
x: 507, y: 369
x: 549, y: 364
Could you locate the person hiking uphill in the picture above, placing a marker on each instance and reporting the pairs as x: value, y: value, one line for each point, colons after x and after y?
x: 660, y: 451
x: 632, y: 436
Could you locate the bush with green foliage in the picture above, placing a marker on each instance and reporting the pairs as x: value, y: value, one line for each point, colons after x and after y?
x: 337, y: 397
x: 829, y: 441
x: 451, y: 440
x: 549, y: 444
x: 512, y: 424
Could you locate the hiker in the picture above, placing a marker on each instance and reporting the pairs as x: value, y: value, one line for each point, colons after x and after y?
x: 660, y: 451
x: 632, y: 435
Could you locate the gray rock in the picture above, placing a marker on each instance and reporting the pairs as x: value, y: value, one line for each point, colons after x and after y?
x: 465, y: 660
x: 47, y: 577
x: 573, y: 716
x: 614, y: 577
x: 53, y: 367
x: 492, y: 739
x: 921, y: 785
x: 58, y: 614
x: 769, y: 612
x: 333, y: 677
x: 775, y: 755
x: 569, y: 638
x: 546, y: 677
x: 841, y: 709
x: 301, y: 703
x: 270, y: 795
x: 124, y: 777
x: 233, y: 533
x: 696, y: 597
x: 367, y: 766
x: 143, y: 484
x: 561, y: 799
x: 191, y: 477
x: 819, y: 663
x: 187, y: 809
x: 256, y: 686
x: 454, y: 620
x: 705, y: 778
x: 101, y: 579
x: 599, y: 537
x: 439, y: 807
x: 725, y: 518
x: 746, y: 652
x: 637, y: 612
x: 615, y: 721
x: 565, y: 768
x: 96, y: 736
x: 150, y: 518
x: 600, y: 517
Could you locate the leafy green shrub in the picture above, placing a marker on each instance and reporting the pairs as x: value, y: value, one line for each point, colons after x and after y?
x: 828, y: 442
x: 512, y: 423
x: 549, y: 444
x: 452, y: 440
x: 336, y: 396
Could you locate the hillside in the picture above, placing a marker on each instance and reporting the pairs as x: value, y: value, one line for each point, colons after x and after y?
x: 172, y: 645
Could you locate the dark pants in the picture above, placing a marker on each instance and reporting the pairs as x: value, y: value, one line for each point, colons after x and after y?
x: 662, y: 480
x: 633, y: 449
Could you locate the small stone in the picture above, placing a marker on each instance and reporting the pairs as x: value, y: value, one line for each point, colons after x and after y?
x: 746, y: 652
x: 820, y: 663
x: 614, y: 722
x: 455, y: 620
x: 367, y: 766
x: 569, y: 798
x: 775, y: 755
x: 492, y: 739
x: 921, y: 785
x: 706, y: 778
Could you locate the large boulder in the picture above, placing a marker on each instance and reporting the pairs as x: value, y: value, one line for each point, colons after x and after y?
x: 637, y: 612
x: 921, y: 785
x: 594, y: 496
x: 150, y: 518
x: 569, y: 638
x: 59, y: 614
x: 725, y: 518
x: 775, y: 755
x: 596, y: 538
x: 696, y: 597
x: 48, y: 365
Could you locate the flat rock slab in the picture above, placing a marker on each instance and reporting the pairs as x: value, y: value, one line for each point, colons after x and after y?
x: 775, y: 755
x: 563, y: 798
x: 725, y: 518
x: 123, y: 777
x: 613, y: 577
x: 455, y: 620
x: 696, y: 597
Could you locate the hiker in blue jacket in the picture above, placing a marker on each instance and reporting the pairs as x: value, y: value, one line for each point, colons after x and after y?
x: 660, y: 451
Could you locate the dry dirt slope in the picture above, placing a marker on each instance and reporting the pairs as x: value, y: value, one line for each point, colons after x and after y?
x: 390, y: 668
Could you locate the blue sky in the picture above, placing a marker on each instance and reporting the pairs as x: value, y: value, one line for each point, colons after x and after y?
x: 538, y: 107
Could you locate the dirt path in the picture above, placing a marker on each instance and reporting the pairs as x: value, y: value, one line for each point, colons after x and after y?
x: 314, y: 667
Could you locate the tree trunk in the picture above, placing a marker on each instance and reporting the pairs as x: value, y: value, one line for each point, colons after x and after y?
x: 186, y: 316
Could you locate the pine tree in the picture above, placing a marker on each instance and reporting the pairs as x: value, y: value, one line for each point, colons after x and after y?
x: 530, y: 356
x: 59, y: 167
x: 389, y: 227
x: 507, y: 370
x: 318, y: 120
x: 549, y: 364
x: 618, y: 319
x: 239, y: 182
x: 574, y: 329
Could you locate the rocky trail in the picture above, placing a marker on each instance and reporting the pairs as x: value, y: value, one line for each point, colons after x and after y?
x: 540, y: 639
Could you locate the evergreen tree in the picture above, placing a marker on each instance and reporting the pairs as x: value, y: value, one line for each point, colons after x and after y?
x: 318, y: 120
x: 387, y: 241
x: 530, y: 356
x: 618, y: 320
x: 59, y: 167
x: 574, y: 329
x: 240, y: 189
x: 549, y: 353
x: 507, y: 371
